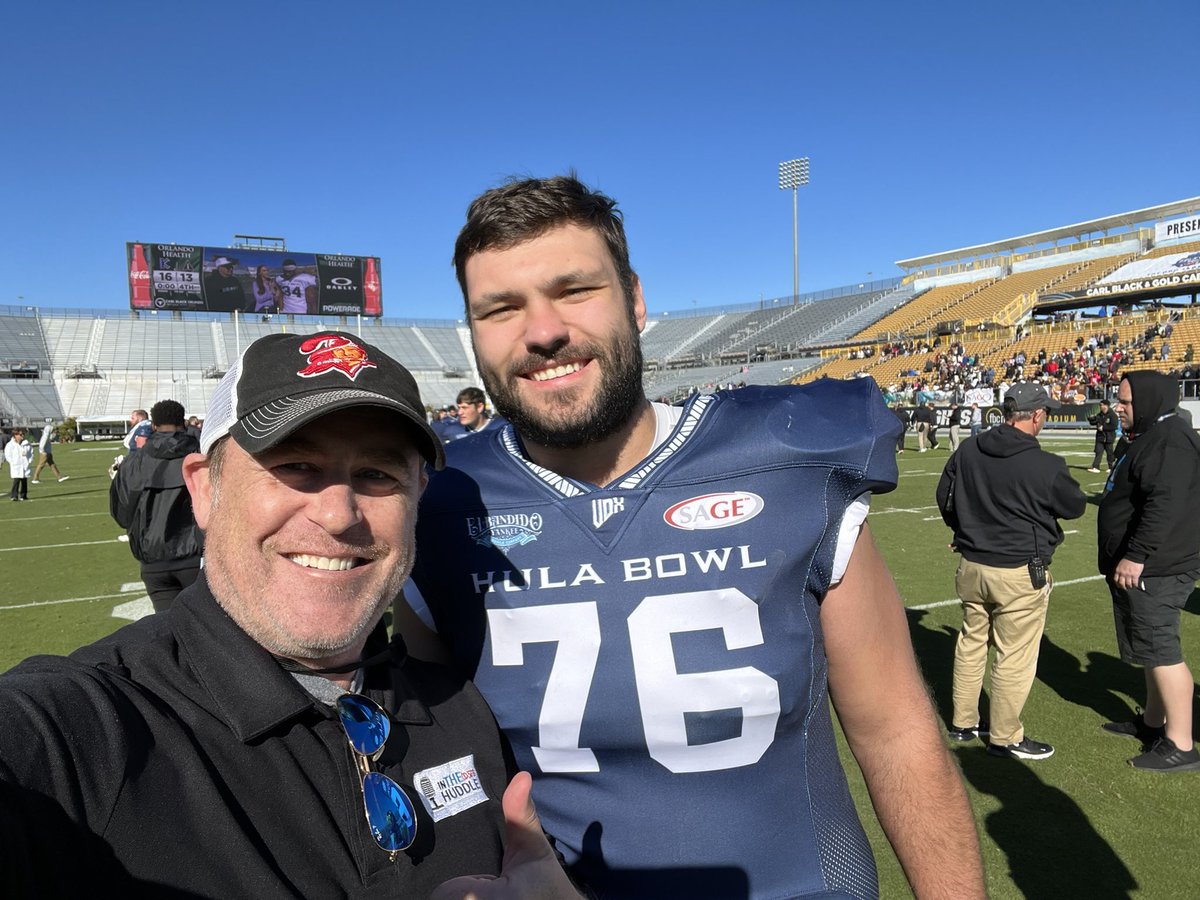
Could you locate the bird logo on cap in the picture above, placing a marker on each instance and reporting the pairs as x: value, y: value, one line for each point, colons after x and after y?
x: 333, y: 353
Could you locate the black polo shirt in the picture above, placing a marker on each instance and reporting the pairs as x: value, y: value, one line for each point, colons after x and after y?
x: 176, y: 758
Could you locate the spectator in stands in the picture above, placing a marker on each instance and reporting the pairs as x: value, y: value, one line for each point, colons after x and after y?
x: 1105, y: 422
x: 1165, y: 354
x: 1003, y: 496
x: 222, y: 725
x: 149, y: 499
x: 139, y: 431
x: 46, y: 454
x: 18, y: 453
x: 194, y: 426
x: 1149, y: 553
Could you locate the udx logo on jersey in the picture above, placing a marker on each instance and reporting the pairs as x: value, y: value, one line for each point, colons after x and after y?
x: 714, y: 511
x: 504, y: 531
x: 604, y: 508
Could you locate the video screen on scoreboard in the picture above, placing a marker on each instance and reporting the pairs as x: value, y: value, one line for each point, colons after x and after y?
x: 252, y: 281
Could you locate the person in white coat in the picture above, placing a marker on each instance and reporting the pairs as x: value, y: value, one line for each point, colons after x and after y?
x: 18, y: 453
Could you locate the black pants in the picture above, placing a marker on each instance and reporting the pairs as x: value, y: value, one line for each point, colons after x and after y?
x: 1105, y: 449
x: 164, y: 584
x: 20, y: 489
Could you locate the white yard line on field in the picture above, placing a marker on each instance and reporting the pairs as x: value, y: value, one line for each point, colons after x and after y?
x: 4, y: 606
x: 1056, y: 584
x: 58, y: 546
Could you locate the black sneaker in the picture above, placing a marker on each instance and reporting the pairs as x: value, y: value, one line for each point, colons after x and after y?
x: 1164, y: 756
x: 1027, y: 749
x: 969, y: 733
x: 1137, y: 729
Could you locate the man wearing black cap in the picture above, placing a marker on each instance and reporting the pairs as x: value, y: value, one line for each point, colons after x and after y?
x: 220, y: 729
x: 223, y: 291
x: 148, y: 498
x: 1003, y: 496
x: 1149, y: 553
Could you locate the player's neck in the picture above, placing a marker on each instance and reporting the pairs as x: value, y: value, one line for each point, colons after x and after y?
x: 601, y: 462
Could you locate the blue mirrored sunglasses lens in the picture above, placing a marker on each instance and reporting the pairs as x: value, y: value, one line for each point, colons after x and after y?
x: 366, y: 724
x: 390, y: 813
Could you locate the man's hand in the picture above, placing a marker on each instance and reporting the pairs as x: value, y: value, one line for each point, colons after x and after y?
x: 530, y: 870
x: 1128, y: 574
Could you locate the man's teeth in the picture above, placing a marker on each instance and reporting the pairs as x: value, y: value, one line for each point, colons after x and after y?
x: 556, y: 372
x: 331, y: 563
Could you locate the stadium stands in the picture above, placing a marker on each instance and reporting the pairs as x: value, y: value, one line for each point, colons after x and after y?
x: 1003, y: 299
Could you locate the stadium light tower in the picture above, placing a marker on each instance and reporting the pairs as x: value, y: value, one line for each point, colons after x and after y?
x: 792, y: 174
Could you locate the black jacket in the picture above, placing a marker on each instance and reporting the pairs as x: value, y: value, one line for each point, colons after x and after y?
x: 1106, y: 426
x: 149, y: 499
x: 1148, y: 513
x: 176, y: 759
x: 1003, y: 495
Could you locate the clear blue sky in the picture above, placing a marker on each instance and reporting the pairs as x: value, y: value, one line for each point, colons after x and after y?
x: 366, y: 128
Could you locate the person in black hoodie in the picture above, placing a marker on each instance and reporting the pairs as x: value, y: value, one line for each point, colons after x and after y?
x: 1105, y: 423
x: 1149, y: 553
x: 1003, y: 495
x: 148, y: 498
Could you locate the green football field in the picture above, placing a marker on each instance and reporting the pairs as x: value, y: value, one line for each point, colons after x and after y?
x: 1081, y: 824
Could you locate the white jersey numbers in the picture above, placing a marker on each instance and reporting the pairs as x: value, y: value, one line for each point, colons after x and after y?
x: 664, y: 694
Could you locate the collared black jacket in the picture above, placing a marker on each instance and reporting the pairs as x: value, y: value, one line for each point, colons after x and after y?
x: 175, y: 758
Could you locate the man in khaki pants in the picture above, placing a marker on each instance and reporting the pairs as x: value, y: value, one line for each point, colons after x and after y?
x: 1003, y: 496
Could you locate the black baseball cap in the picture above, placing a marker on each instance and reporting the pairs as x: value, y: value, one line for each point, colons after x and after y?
x: 285, y: 381
x: 1028, y: 396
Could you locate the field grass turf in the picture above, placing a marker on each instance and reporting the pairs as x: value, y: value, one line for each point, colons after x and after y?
x: 1081, y: 824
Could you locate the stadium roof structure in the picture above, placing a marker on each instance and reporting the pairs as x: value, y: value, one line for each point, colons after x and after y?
x: 1080, y: 230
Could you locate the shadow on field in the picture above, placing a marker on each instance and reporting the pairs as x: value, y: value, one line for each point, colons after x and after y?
x: 1052, y: 849
x: 1193, y: 603
x: 1104, y: 684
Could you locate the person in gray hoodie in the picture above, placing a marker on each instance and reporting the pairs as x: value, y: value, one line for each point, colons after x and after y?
x: 1003, y: 495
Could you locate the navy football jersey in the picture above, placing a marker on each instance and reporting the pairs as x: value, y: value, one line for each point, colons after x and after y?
x: 652, y: 648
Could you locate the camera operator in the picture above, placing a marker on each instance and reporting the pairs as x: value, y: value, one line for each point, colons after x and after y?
x: 1003, y: 495
x: 1105, y: 423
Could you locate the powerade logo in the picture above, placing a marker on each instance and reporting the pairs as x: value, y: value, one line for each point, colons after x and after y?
x: 504, y: 531
x: 714, y: 511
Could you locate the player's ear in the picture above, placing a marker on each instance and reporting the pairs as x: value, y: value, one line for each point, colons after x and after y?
x: 639, y: 303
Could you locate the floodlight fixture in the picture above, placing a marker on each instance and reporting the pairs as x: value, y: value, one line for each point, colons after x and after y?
x: 793, y: 174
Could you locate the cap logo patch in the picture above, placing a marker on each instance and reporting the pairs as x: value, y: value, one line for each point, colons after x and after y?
x: 333, y: 353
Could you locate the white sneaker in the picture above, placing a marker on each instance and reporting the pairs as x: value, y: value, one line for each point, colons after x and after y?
x: 34, y: 481
x: 1094, y: 471
x: 123, y: 538
x: 64, y: 478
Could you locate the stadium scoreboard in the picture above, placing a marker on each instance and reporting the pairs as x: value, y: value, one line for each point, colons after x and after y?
x: 252, y: 280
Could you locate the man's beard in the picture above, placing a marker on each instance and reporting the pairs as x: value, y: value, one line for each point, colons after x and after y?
x: 563, y: 426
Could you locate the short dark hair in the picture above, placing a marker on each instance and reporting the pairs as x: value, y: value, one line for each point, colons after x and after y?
x: 167, y: 412
x: 523, y: 209
x: 1105, y: 403
x: 471, y: 395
